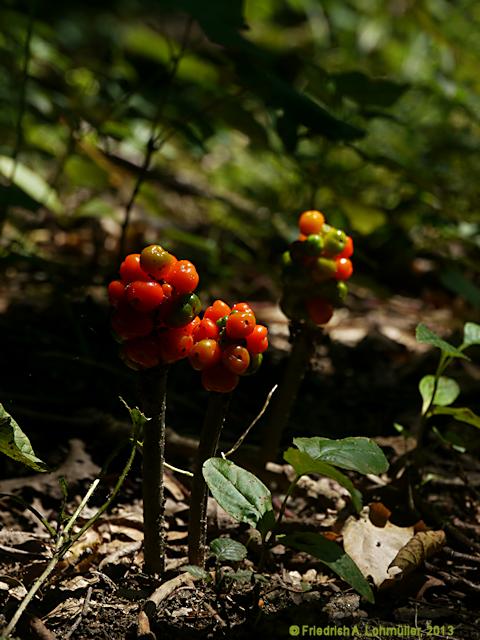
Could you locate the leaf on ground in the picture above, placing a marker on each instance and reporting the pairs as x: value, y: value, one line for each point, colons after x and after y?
x: 226, y: 549
x: 374, y: 548
x: 447, y: 391
x: 332, y: 555
x: 427, y: 336
x: 15, y: 444
x: 423, y: 545
x: 305, y: 464
x: 357, y: 454
x: 240, y: 493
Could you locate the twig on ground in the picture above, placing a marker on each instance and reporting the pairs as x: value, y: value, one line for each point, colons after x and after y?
x: 143, y: 627
x: 81, y: 615
x: 165, y: 590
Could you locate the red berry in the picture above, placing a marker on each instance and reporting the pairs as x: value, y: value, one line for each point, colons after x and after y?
x: 344, y: 269
x: 116, y: 292
x: 191, y: 327
x: 236, y: 358
x: 257, y: 341
x: 206, y: 328
x: 183, y: 277
x: 205, y: 353
x: 167, y: 290
x: 319, y: 310
x: 240, y: 324
x: 156, y: 261
x: 218, y: 310
x: 242, y: 306
x: 130, y: 269
x: 128, y: 324
x: 175, y: 344
x: 143, y: 352
x: 347, y: 250
x: 311, y: 222
x: 144, y: 296
x: 220, y: 379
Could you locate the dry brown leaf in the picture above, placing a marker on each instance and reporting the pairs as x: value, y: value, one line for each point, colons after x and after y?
x: 78, y: 466
x: 423, y: 545
x: 373, y: 548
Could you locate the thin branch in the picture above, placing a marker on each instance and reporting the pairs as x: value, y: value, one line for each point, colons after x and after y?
x: 239, y: 442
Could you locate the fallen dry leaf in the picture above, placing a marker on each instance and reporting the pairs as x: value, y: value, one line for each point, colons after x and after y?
x: 423, y: 545
x: 371, y: 547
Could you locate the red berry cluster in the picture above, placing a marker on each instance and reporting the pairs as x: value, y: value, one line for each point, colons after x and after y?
x: 315, y: 269
x: 155, y: 307
x: 228, y: 343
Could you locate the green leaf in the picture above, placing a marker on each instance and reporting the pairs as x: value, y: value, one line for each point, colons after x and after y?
x: 15, y: 444
x: 226, y: 549
x: 240, y: 493
x: 197, y: 572
x: 31, y: 183
x: 305, y: 464
x: 332, y: 555
x: 462, y: 414
x: 357, y: 454
x: 427, y: 336
x: 138, y: 418
x: 471, y: 334
x: 447, y: 391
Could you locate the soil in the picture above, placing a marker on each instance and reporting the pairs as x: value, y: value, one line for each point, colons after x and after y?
x: 363, y: 380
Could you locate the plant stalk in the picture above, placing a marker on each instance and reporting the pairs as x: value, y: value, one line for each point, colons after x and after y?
x: 209, y: 438
x: 65, y: 542
x: 282, y: 403
x: 154, y: 384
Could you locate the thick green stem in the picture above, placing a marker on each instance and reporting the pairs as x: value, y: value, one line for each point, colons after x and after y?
x: 154, y: 383
x: 209, y: 438
x: 282, y: 403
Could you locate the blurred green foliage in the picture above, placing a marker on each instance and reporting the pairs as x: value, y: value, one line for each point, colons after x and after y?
x: 225, y: 119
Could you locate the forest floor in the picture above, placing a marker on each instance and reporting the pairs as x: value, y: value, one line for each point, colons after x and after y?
x: 369, y: 370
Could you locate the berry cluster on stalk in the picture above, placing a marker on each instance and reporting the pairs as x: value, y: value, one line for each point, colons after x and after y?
x: 315, y: 268
x: 155, y: 309
x: 228, y: 343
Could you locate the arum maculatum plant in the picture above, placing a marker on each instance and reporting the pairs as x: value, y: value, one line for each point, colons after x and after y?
x: 438, y: 391
x: 228, y: 344
x: 155, y: 312
x: 248, y: 500
x: 314, y: 273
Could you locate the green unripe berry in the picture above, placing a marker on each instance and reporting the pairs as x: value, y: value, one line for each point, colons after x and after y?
x: 335, y: 241
x: 314, y: 245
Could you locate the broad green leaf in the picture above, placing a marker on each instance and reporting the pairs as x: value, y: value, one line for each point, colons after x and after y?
x: 357, y: 454
x: 15, y: 444
x: 462, y: 414
x: 471, y: 334
x: 226, y: 549
x: 197, y: 572
x: 31, y: 183
x: 447, y: 391
x: 305, y: 464
x: 240, y: 493
x: 332, y: 555
x: 427, y: 336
